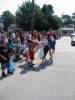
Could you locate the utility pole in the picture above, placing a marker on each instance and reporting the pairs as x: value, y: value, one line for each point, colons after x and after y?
x: 32, y: 18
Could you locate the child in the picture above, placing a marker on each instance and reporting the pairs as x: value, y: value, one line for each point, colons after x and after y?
x: 17, y: 45
x: 22, y: 47
x: 31, y: 53
x: 44, y: 45
x: 26, y: 55
x: 45, y: 49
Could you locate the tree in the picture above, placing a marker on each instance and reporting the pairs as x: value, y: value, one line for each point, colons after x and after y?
x: 73, y: 17
x: 56, y: 22
x: 7, y: 18
x: 66, y: 19
x: 43, y: 17
x: 40, y: 20
x: 52, y: 20
x: 47, y: 10
x: 23, y: 15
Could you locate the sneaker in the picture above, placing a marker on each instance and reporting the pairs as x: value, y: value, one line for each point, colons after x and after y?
x: 50, y: 58
x: 3, y: 74
x: 9, y: 72
x: 46, y: 60
x: 42, y: 63
x: 32, y: 64
x: 26, y: 65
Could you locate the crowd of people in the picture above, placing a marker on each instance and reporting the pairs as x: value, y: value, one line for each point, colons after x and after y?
x: 23, y: 43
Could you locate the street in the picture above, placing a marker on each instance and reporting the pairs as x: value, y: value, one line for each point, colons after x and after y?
x: 50, y: 81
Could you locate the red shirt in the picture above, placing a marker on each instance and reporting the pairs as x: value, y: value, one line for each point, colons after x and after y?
x: 22, y: 35
x: 31, y: 52
x: 35, y: 35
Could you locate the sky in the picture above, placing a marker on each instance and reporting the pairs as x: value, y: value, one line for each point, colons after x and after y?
x: 59, y: 6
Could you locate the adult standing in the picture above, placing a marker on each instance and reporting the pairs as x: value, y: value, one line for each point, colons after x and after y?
x: 13, y: 35
x: 28, y: 36
x: 5, y: 57
x: 35, y: 35
x: 17, y: 45
x: 22, y: 36
x: 3, y: 35
x: 52, y: 41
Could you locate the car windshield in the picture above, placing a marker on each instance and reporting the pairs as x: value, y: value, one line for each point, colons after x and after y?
x: 74, y: 36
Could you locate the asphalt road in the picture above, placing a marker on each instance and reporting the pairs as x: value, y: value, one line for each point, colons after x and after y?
x: 50, y: 81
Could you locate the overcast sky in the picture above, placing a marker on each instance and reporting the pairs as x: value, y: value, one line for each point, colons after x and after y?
x: 60, y: 6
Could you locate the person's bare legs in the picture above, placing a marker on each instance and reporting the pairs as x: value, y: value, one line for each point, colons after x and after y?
x: 53, y: 50
x: 50, y: 52
x: 26, y: 60
x: 42, y: 60
x: 31, y: 61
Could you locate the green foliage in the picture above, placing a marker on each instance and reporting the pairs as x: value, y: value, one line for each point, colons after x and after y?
x: 23, y: 15
x: 40, y: 21
x: 7, y: 18
x: 42, y: 17
x: 57, y: 22
x: 73, y: 17
x: 47, y: 10
x: 66, y: 19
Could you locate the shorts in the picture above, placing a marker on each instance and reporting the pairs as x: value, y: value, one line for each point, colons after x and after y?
x: 22, y: 40
x: 31, y: 57
x: 5, y: 65
x: 31, y: 54
x: 25, y: 55
x: 51, y: 45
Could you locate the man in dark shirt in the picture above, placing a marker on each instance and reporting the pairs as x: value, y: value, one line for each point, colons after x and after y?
x: 5, y: 57
x: 51, y: 41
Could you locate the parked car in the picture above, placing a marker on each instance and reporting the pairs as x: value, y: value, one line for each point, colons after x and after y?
x: 73, y: 34
x: 73, y: 40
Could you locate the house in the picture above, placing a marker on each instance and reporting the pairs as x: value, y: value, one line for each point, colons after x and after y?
x: 13, y: 27
x: 67, y: 30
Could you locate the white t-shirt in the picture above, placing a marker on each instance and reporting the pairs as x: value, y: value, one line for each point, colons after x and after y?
x: 51, y: 38
x: 25, y: 51
x: 17, y: 42
x: 13, y: 35
x: 22, y: 47
x: 40, y: 45
x: 29, y: 36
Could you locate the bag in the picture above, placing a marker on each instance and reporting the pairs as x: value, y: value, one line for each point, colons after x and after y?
x: 51, y: 38
x: 41, y: 54
x: 25, y: 51
x: 12, y: 67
